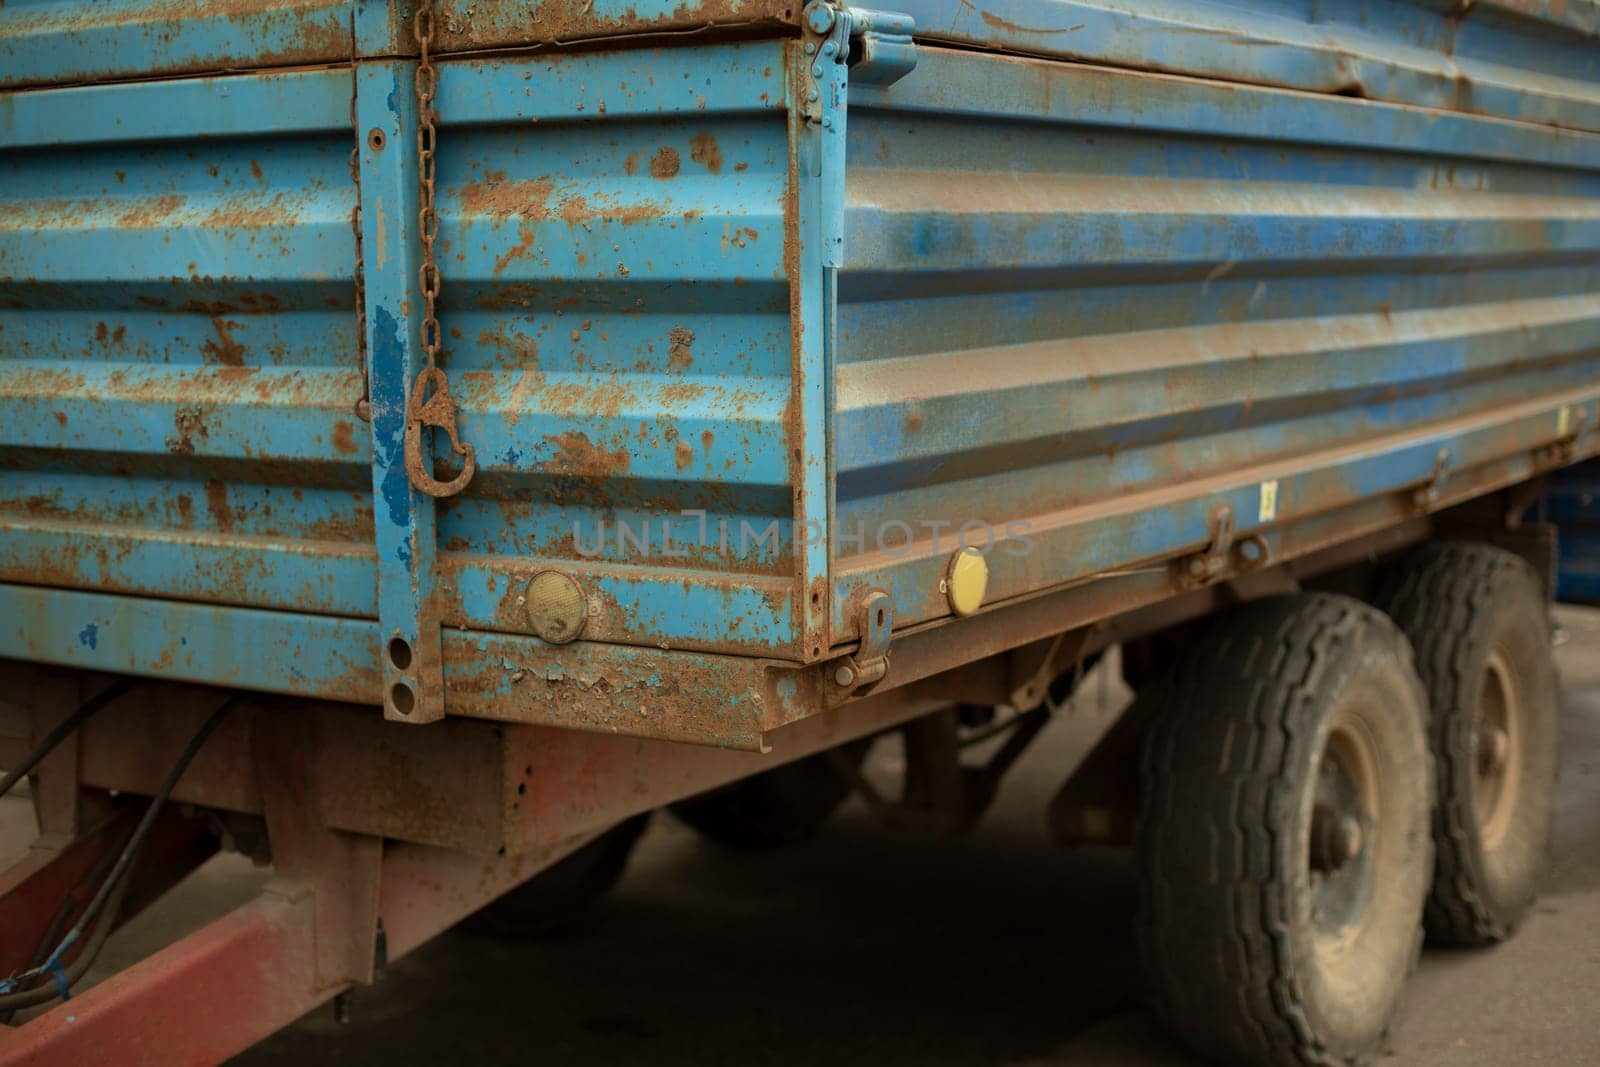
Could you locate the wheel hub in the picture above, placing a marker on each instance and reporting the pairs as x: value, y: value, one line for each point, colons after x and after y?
x: 1497, y: 769
x: 1335, y: 838
x: 1344, y: 821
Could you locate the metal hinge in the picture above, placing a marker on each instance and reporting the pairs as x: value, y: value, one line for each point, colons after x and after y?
x: 858, y: 673
x: 875, y: 46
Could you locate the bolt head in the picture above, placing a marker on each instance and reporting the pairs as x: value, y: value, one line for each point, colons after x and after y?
x: 819, y: 17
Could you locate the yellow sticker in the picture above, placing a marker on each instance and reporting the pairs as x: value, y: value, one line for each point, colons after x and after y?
x: 1269, y: 500
x: 1563, y: 418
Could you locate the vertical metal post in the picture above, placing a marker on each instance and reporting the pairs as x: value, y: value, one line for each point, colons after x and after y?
x: 386, y: 123
x: 817, y: 140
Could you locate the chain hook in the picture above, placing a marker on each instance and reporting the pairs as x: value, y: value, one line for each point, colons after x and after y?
x: 437, y: 410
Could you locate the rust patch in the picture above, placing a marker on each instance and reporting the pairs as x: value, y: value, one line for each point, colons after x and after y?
x: 703, y: 149
x: 61, y: 418
x: 523, y: 246
x: 630, y: 166
x: 511, y: 349
x: 679, y: 351
x: 344, y: 439
x: 343, y: 529
x: 499, y: 199
x: 217, y: 504
x: 665, y: 163
x: 685, y: 453
x: 995, y: 22
x: 189, y: 424
x: 224, y: 350
x: 495, y: 25
x: 577, y: 455
x: 255, y: 172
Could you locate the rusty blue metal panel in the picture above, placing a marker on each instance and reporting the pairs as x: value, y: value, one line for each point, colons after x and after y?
x: 57, y: 41
x: 176, y: 340
x: 180, y: 366
x: 1089, y: 306
x: 1533, y: 60
x: 618, y: 328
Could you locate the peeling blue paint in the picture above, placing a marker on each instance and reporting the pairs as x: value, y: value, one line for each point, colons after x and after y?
x: 388, y: 417
x: 89, y: 636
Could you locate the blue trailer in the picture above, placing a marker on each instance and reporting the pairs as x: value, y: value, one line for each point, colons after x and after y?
x: 639, y: 402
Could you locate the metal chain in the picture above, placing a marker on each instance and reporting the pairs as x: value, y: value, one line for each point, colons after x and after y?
x: 427, y: 142
x: 439, y: 409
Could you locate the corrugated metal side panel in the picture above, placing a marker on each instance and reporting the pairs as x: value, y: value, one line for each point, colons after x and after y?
x: 1535, y: 60
x: 178, y: 360
x: 617, y: 319
x: 1098, y: 303
x: 1573, y: 504
x: 178, y: 344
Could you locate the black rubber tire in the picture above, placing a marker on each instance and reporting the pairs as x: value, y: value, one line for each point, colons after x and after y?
x: 1229, y: 774
x: 566, y: 890
x: 1460, y: 603
x: 783, y: 806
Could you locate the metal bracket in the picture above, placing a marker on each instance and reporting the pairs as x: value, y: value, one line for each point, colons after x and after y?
x: 859, y: 673
x: 1213, y: 559
x: 1426, y: 495
x: 1569, y: 427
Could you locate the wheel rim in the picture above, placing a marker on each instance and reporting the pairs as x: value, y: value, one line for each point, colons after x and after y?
x: 1497, y: 750
x: 1342, y: 840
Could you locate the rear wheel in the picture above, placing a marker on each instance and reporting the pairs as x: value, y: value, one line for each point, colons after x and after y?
x: 1284, y: 836
x: 1478, y: 620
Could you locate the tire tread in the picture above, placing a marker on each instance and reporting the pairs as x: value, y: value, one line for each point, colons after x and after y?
x: 1267, y: 660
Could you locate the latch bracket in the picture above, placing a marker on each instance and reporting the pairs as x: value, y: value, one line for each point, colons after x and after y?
x: 857, y: 674
x: 1426, y: 495
x: 1212, y: 560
